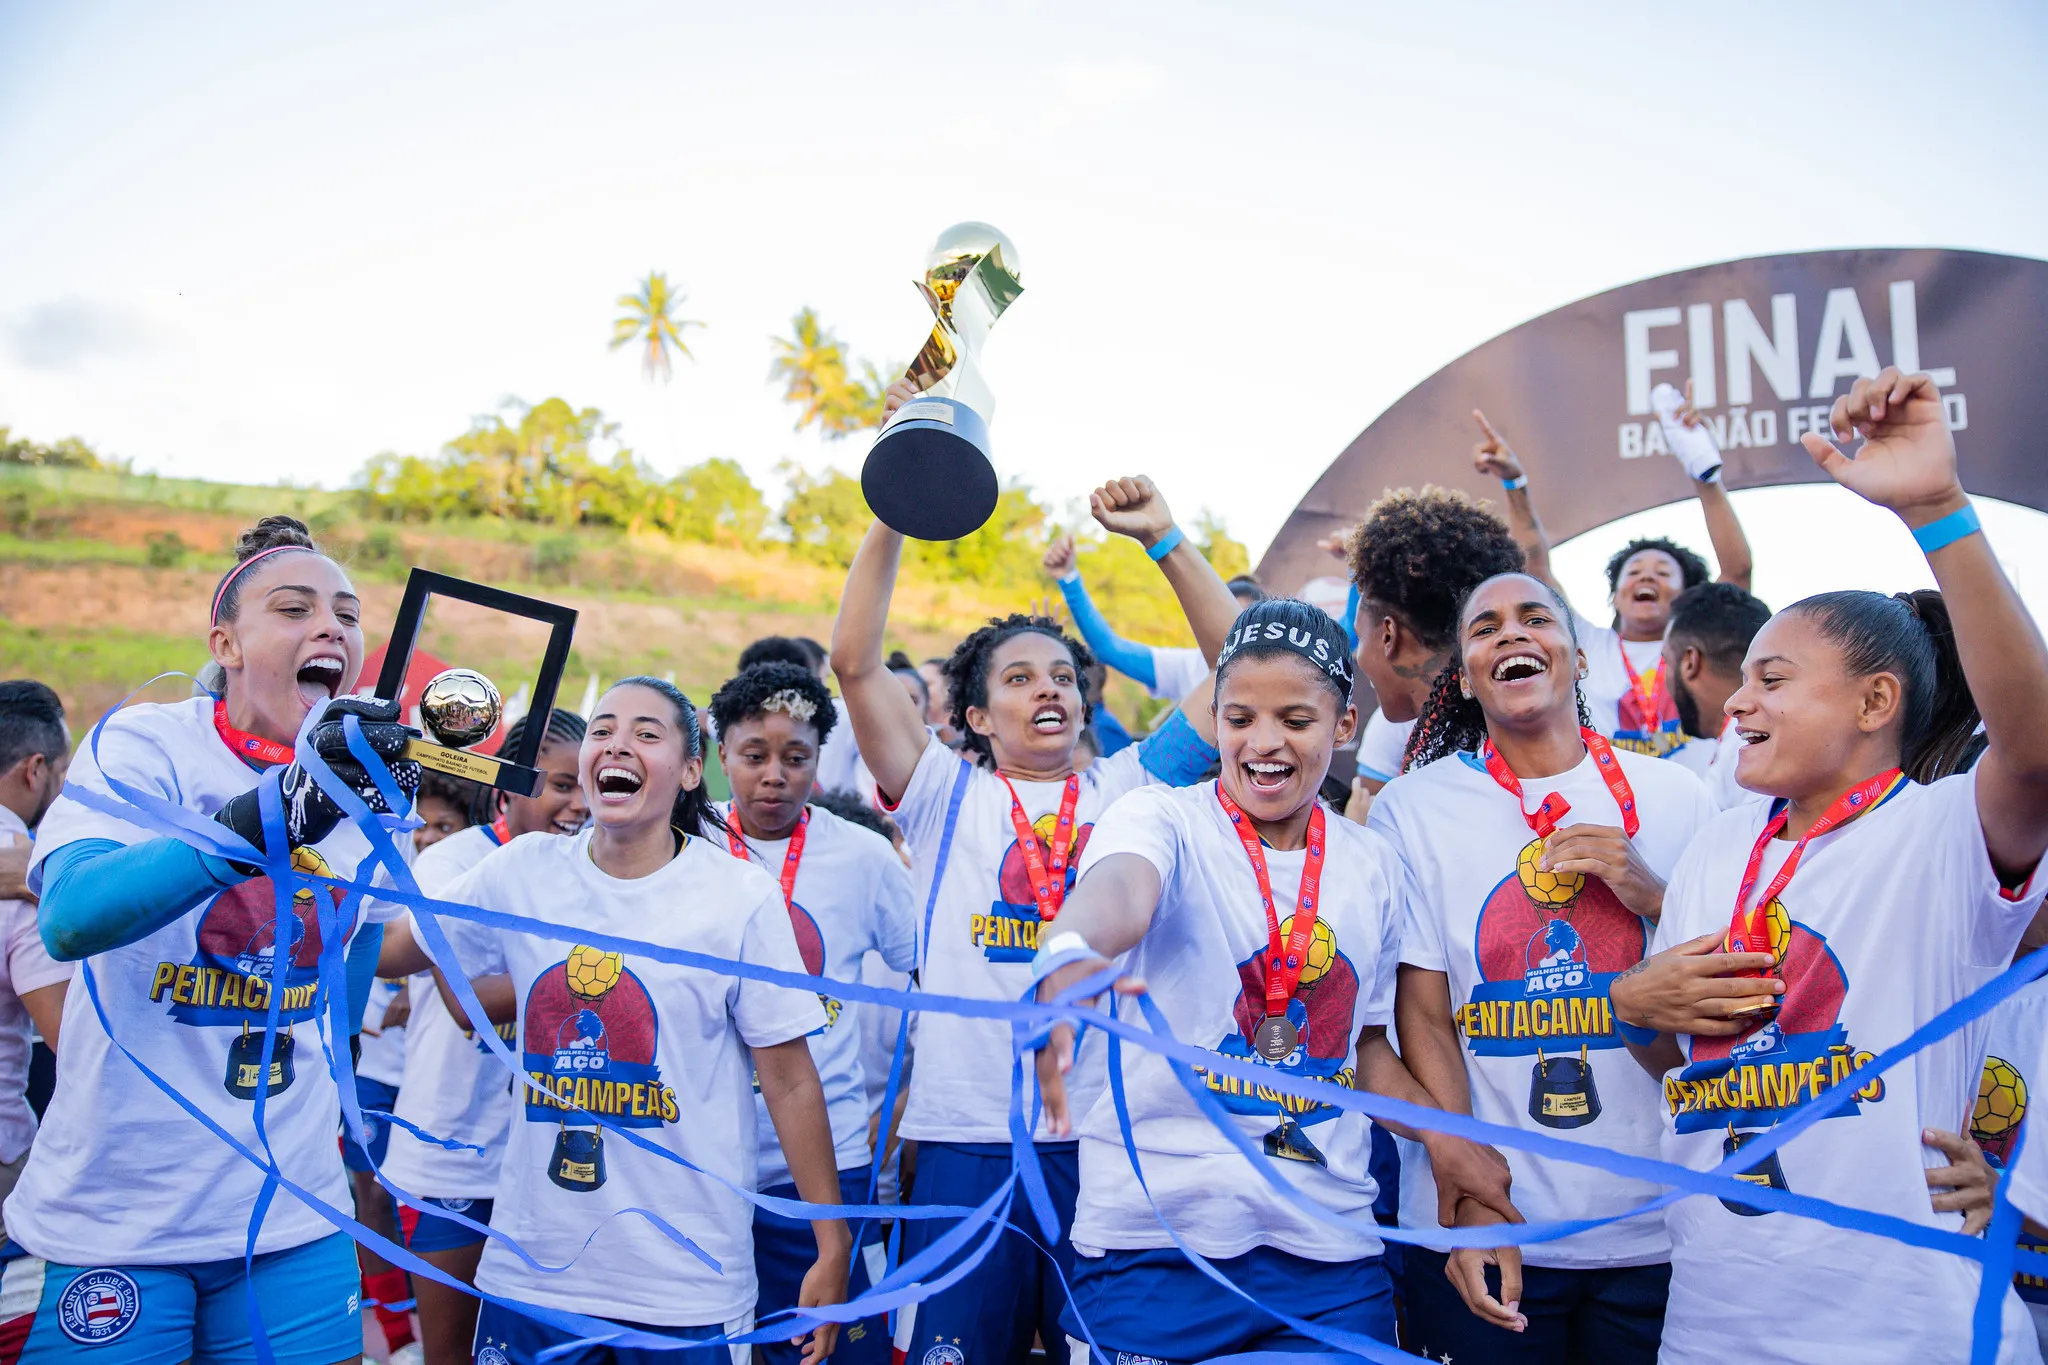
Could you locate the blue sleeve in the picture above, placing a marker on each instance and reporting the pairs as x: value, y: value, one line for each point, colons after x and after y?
x: 1176, y: 754
x: 362, y: 971
x: 1351, y: 600
x: 1132, y: 660
x: 1110, y: 734
x: 134, y: 890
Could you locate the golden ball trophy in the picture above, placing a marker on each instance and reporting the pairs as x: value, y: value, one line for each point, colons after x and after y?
x: 929, y: 474
x: 460, y: 707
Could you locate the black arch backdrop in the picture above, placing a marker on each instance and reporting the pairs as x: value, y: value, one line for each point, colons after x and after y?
x: 1768, y: 341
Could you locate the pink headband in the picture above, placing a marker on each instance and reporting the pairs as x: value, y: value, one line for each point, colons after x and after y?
x: 236, y: 572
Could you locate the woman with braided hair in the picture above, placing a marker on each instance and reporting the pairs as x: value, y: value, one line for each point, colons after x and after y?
x: 1535, y: 856
x: 997, y: 833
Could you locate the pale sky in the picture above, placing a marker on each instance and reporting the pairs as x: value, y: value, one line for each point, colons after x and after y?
x: 262, y: 242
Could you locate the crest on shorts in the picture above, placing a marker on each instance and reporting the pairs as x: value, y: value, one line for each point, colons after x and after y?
x: 99, y: 1306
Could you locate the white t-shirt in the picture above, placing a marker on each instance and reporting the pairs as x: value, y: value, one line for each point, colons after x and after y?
x: 1890, y: 919
x: 1176, y: 670
x: 984, y: 933
x: 452, y: 1086
x: 176, y: 998
x: 1714, y: 762
x: 1612, y: 700
x: 852, y: 894
x: 2005, y: 1095
x: 878, y: 1028
x: 29, y: 968
x: 1528, y: 982
x: 839, y: 765
x: 1382, y: 745
x: 656, y: 1048
x: 383, y: 1056
x: 1204, y: 957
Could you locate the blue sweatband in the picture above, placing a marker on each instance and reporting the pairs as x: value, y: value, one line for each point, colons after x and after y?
x: 1168, y: 543
x: 1947, y: 531
x: 133, y: 891
x: 1519, y: 481
x: 1176, y: 753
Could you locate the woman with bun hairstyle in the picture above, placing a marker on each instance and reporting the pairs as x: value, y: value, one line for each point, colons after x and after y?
x: 1206, y: 894
x: 1806, y: 934
x: 1535, y: 854
x: 138, y: 1216
x: 997, y: 832
x: 667, y: 1053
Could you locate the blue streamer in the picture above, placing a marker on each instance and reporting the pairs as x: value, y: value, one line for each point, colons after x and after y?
x: 984, y: 1224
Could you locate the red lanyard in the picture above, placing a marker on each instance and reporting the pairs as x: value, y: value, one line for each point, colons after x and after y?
x: 790, y: 858
x: 1048, y: 884
x: 1651, y: 696
x: 1554, y: 807
x: 1284, y: 958
x: 501, y: 833
x: 249, y: 746
x: 1752, y: 926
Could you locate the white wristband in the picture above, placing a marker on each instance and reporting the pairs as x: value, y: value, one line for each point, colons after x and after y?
x: 1066, y: 941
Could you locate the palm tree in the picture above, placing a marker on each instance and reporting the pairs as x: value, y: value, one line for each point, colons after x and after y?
x: 650, y: 322
x: 815, y: 372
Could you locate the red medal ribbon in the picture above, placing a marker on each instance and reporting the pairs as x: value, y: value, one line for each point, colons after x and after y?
x: 1048, y: 883
x: 790, y: 859
x: 1553, y: 808
x: 501, y: 833
x: 1752, y: 926
x: 1650, y: 697
x: 1284, y: 958
x: 255, y: 748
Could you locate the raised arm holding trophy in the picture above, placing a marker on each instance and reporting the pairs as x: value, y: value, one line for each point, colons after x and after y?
x: 929, y: 475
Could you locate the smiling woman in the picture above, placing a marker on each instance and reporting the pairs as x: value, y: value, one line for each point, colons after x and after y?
x: 191, y: 961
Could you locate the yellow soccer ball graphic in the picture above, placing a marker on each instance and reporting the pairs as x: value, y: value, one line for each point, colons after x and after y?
x: 1781, y: 929
x: 1322, y: 949
x: 2001, y: 1100
x: 1546, y: 888
x: 592, y: 971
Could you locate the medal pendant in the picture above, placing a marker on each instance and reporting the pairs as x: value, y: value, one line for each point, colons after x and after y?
x: 1275, y: 1038
x: 1289, y: 1143
x: 1768, y: 1173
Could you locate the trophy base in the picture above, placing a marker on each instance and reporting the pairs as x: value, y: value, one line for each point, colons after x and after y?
x: 928, y: 475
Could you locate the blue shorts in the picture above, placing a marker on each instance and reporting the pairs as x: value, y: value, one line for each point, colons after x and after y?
x: 423, y: 1230
x: 370, y: 1095
x: 1017, y: 1293
x: 504, y: 1337
x: 1154, y: 1306
x: 310, y: 1297
x: 784, y: 1249
x: 1610, y: 1315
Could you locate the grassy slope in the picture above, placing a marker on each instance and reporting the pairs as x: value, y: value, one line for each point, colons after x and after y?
x: 95, y: 597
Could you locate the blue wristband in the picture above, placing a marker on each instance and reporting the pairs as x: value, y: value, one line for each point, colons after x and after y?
x: 1947, y: 531
x: 1519, y: 481
x: 1168, y: 543
x: 1635, y: 1033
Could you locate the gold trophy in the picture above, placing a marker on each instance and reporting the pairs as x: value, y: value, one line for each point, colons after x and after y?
x: 928, y: 474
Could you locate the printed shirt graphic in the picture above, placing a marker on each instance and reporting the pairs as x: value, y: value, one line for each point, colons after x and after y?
x: 1528, y: 957
x: 1890, y: 919
x: 180, y: 999
x: 655, y: 1050
x: 852, y: 897
x: 960, y: 1088
x: 1617, y: 709
x: 1204, y: 956
x: 452, y: 1088
x: 1998, y: 1120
